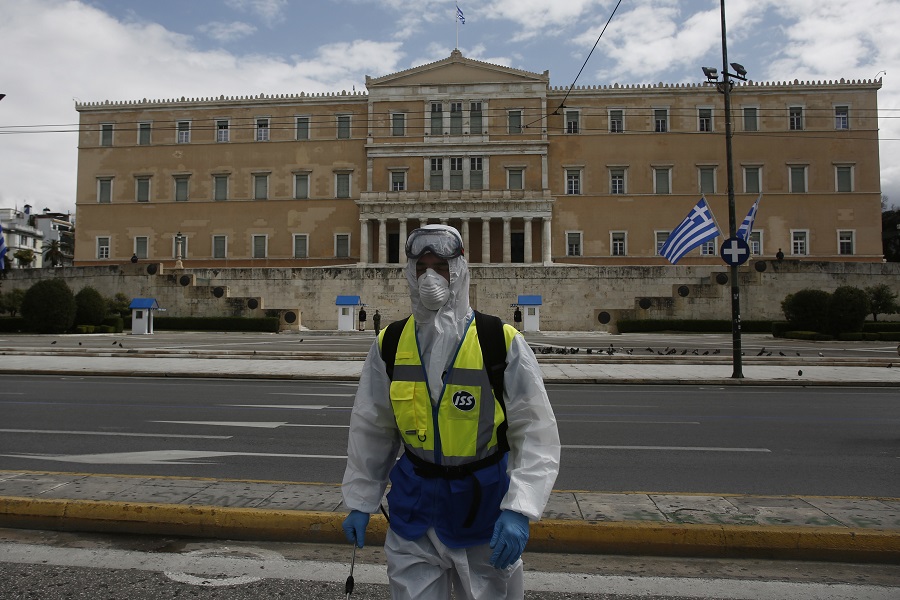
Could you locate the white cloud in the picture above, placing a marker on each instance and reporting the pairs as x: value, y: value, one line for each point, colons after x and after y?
x: 269, y: 11
x: 227, y: 32
x: 540, y: 17
x: 96, y: 58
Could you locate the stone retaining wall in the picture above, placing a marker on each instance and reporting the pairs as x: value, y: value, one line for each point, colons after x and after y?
x: 573, y: 296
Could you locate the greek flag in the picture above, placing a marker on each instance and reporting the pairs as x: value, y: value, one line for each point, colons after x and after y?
x: 697, y: 228
x: 746, y: 227
x: 3, y: 250
x: 460, y: 15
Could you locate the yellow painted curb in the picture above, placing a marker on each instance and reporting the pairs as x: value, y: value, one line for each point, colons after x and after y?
x: 562, y: 536
x: 672, y: 539
x: 184, y: 520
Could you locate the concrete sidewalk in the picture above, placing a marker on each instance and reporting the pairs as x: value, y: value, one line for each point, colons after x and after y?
x: 324, y: 366
x: 813, y: 528
x: 810, y: 528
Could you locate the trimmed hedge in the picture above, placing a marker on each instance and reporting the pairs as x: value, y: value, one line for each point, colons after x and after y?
x: 266, y: 324
x: 780, y: 328
x: 850, y: 337
x: 116, y: 323
x: 881, y: 327
x: 808, y: 335
x: 690, y: 326
x: 12, y: 324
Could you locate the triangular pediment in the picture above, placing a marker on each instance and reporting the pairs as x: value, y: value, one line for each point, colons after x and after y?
x: 457, y: 69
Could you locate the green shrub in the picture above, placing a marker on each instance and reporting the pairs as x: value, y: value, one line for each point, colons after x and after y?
x: 808, y: 335
x: 49, y: 307
x: 117, y: 324
x: 889, y: 336
x: 104, y: 329
x: 84, y: 329
x: 780, y: 328
x: 216, y: 324
x: 12, y: 324
x: 850, y: 337
x: 118, y: 305
x: 690, y: 325
x: 756, y: 326
x: 882, y: 300
x: 90, y: 307
x: 806, y: 310
x: 881, y: 327
x: 847, y: 310
x: 11, y: 301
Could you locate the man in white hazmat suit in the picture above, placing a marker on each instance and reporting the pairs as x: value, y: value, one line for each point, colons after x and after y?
x: 474, y: 470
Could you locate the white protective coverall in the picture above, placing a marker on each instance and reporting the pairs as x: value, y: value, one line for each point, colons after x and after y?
x: 426, y: 568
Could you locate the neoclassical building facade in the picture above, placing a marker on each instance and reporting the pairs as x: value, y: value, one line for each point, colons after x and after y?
x: 529, y: 173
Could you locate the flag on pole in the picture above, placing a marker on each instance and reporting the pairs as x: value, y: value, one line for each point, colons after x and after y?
x: 3, y: 250
x: 459, y: 15
x: 746, y: 227
x: 697, y: 228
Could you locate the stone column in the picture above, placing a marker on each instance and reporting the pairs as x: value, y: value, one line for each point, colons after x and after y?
x: 363, y: 241
x: 382, y: 241
x: 528, y: 249
x: 485, y: 240
x: 402, y: 241
x: 545, y: 243
x: 507, y: 240
x: 465, y: 234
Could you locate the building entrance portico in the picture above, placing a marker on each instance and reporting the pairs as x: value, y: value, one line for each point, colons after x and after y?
x: 492, y: 232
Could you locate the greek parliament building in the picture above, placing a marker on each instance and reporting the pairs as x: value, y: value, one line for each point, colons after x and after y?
x: 529, y: 173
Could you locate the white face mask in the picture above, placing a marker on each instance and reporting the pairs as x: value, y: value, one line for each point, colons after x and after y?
x: 434, y: 290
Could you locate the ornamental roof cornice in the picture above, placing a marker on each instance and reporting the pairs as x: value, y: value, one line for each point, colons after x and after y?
x: 212, y: 101
x: 795, y: 85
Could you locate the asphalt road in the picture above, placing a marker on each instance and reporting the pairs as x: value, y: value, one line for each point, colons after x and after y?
x: 755, y: 440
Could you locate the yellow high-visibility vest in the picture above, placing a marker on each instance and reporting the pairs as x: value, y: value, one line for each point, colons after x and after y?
x: 462, y: 427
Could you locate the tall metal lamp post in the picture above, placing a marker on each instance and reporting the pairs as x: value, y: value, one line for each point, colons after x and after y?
x: 179, y: 240
x: 724, y: 87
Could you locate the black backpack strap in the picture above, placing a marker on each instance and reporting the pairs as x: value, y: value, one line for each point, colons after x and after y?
x: 493, y: 352
x: 389, y: 341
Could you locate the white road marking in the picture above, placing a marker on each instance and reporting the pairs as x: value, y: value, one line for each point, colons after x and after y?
x: 157, y: 457
x: 212, y: 581
x: 220, y: 580
x: 631, y: 422
x: 119, y: 434
x: 668, y: 448
x: 259, y: 424
x: 228, y: 565
x: 314, y: 394
x: 291, y: 406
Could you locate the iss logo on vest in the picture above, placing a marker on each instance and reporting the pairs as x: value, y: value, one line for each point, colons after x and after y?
x: 464, y: 401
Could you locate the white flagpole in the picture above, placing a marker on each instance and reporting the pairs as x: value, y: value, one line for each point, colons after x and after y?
x: 456, y: 18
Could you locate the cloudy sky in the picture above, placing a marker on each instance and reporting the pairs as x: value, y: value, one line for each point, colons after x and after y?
x: 58, y: 52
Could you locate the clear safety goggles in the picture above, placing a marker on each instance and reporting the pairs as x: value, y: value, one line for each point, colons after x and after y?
x: 440, y: 242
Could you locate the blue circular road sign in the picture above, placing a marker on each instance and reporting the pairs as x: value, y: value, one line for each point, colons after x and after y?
x: 735, y: 251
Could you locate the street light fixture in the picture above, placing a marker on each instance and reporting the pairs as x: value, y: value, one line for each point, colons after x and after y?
x: 179, y: 240
x: 724, y: 88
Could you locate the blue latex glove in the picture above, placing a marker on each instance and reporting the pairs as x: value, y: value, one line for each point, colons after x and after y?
x: 509, y: 539
x: 355, y: 527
